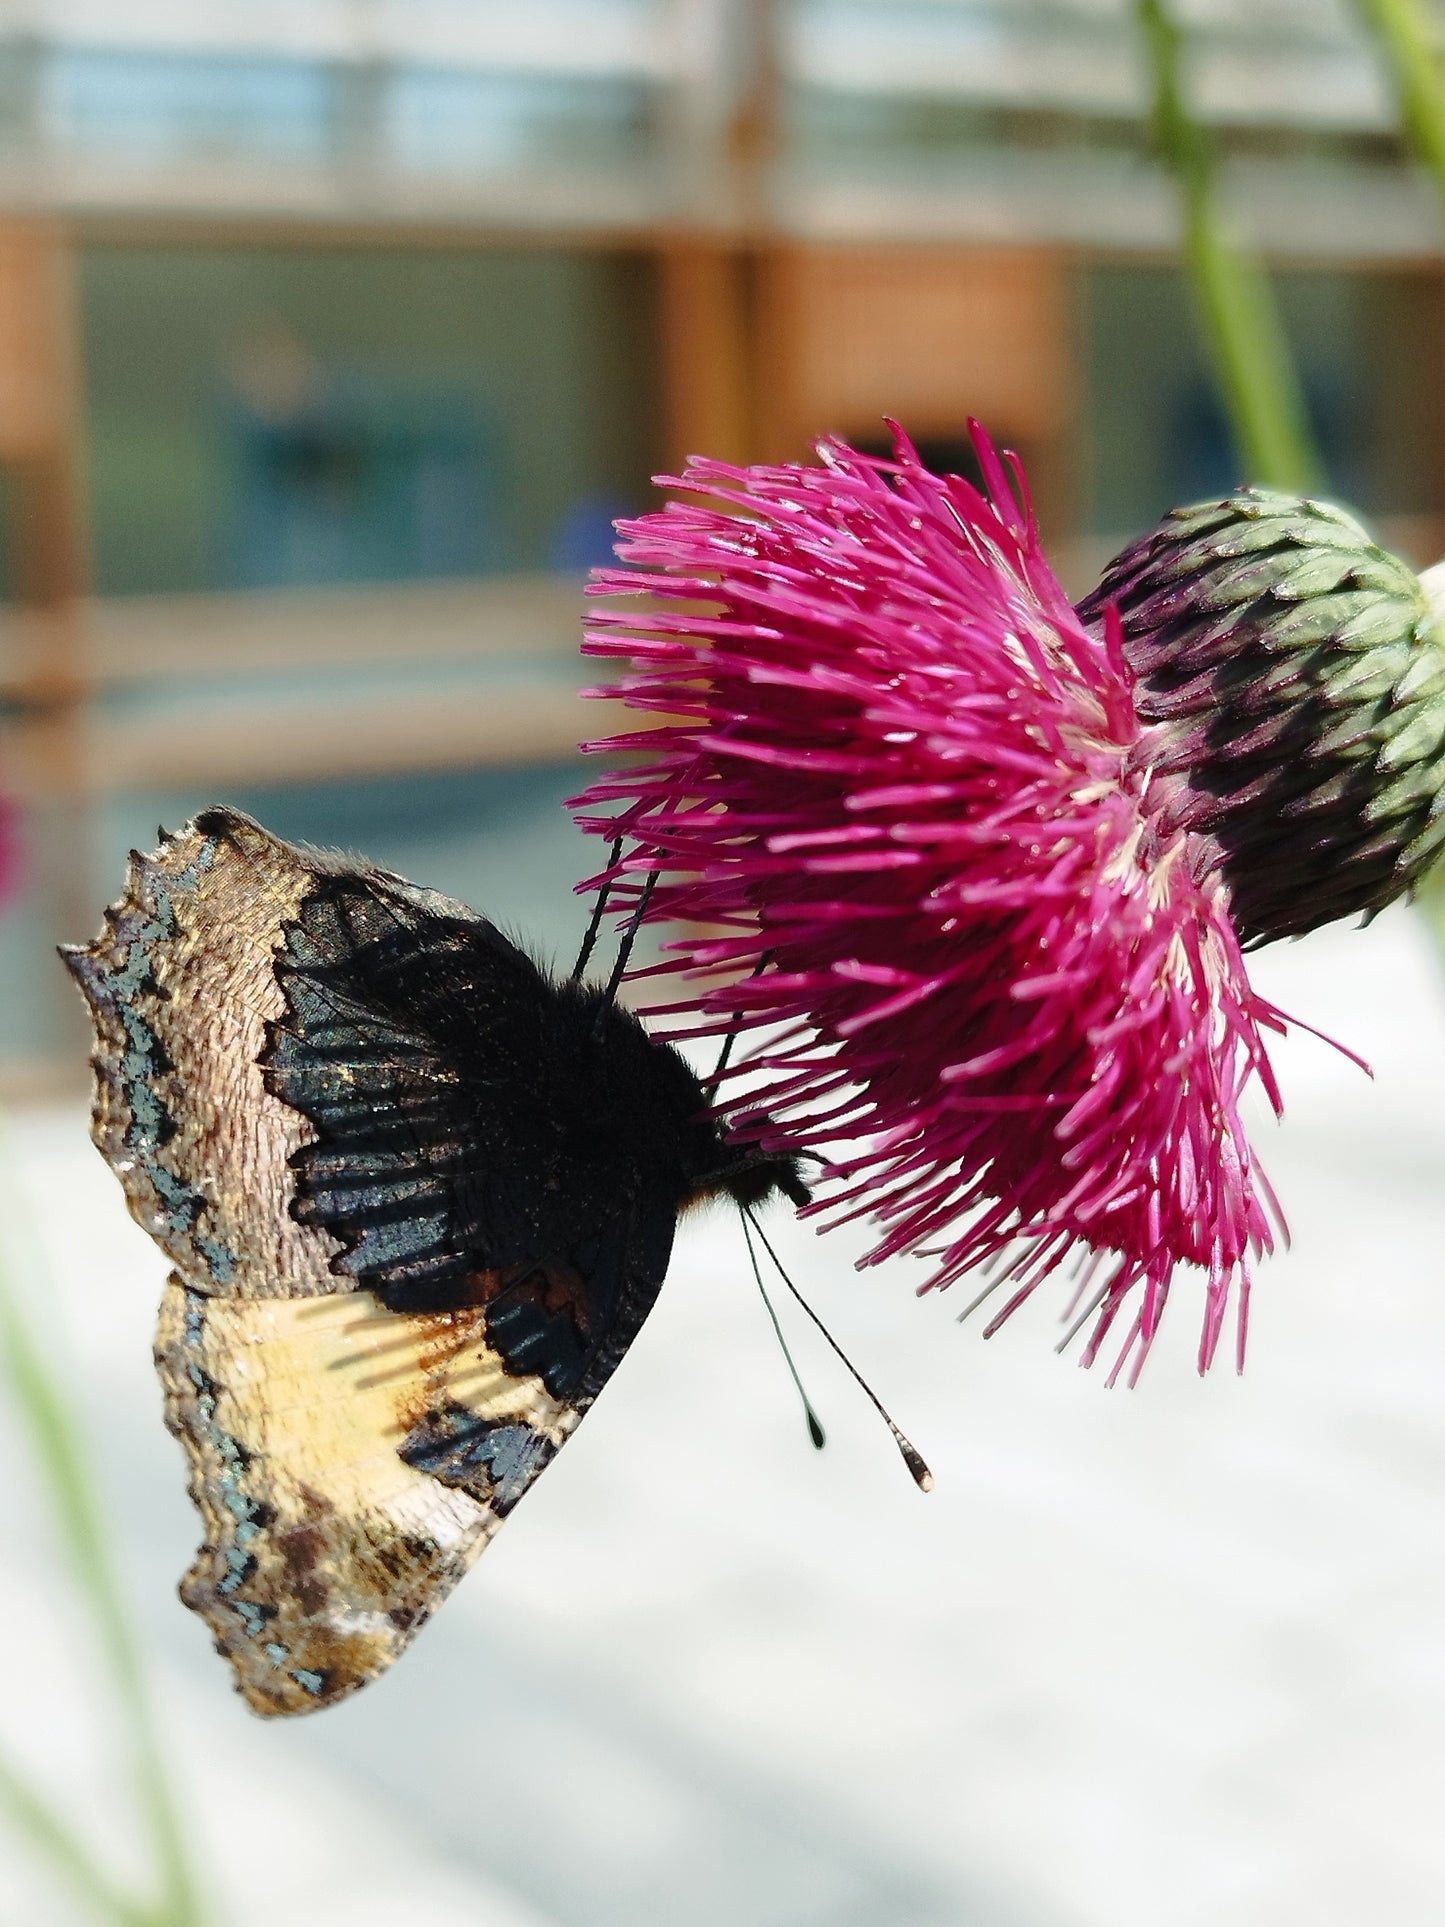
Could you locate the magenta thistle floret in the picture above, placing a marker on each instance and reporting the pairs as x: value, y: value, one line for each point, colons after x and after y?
x: 992, y: 983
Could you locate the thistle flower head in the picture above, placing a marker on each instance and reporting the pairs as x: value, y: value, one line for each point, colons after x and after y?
x: 901, y: 805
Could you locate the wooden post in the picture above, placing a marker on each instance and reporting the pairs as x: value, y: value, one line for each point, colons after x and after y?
x: 711, y: 403
x: 706, y: 406
x: 39, y: 446
x: 928, y: 335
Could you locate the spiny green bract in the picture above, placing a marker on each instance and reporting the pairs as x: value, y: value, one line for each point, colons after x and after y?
x: 1292, y: 674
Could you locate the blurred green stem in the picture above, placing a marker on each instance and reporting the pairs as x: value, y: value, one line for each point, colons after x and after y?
x: 1246, y: 337
x: 1403, y: 31
x: 65, y: 1463
x: 1402, y: 28
x: 54, y: 1841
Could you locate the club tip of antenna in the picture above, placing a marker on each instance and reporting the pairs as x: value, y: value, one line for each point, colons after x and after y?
x: 815, y: 1430
x: 914, y: 1460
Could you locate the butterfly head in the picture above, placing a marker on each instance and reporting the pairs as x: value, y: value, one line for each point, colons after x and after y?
x: 751, y: 1175
x: 742, y: 1169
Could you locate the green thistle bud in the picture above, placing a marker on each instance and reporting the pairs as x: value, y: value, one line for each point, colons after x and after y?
x: 1292, y: 682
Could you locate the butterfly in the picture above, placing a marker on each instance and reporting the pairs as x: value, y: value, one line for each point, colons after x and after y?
x: 419, y: 1197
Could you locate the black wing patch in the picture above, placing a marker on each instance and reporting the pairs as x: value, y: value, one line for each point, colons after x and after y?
x: 402, y: 1044
x: 424, y: 1049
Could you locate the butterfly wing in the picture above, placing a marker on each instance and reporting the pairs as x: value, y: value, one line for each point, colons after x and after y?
x: 440, y: 1074
x: 288, y: 1089
x: 181, y: 987
x: 326, y: 1546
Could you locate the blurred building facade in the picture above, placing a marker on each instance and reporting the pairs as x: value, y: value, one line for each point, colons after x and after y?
x: 334, y: 333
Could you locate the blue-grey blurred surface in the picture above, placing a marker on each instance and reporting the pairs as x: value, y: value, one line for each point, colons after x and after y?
x: 1151, y: 1659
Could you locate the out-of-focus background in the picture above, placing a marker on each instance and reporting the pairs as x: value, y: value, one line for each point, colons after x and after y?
x: 333, y: 336
x: 334, y: 333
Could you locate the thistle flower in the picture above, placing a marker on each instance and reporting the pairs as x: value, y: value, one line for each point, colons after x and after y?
x: 935, y: 860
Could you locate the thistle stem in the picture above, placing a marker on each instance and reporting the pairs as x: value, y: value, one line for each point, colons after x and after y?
x: 65, y: 1465
x: 1241, y: 320
x: 1402, y: 28
x: 1403, y: 31
x: 1432, y: 902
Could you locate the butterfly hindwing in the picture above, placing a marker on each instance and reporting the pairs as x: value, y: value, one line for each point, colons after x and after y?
x: 349, y: 1464
x: 398, y: 1282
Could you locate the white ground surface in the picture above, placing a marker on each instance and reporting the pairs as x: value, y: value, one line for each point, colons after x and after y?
x: 1161, y: 1659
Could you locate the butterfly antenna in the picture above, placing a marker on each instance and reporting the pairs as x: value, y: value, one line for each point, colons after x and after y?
x: 589, y: 942
x: 727, y: 1049
x: 815, y: 1426
x: 732, y: 1037
x: 629, y: 937
x: 912, y: 1457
